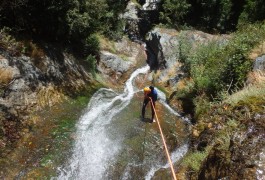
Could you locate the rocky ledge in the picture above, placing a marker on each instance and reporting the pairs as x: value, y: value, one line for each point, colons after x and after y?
x: 31, y: 83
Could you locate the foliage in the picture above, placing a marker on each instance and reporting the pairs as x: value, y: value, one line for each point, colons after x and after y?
x: 213, y: 16
x: 216, y: 67
x: 91, y: 64
x: 248, y: 95
x: 113, y: 25
x: 194, y: 160
x: 70, y: 22
x: 253, y: 11
x: 174, y: 11
x: 216, y: 14
x: 202, y: 106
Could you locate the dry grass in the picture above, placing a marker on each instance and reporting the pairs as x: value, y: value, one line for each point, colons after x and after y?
x: 182, y: 84
x: 256, y: 52
x: 6, y: 75
x: 37, y: 53
x: 257, y: 91
x: 255, y: 88
x: 169, y: 31
x: 49, y: 96
x: 106, y: 44
x: 257, y: 77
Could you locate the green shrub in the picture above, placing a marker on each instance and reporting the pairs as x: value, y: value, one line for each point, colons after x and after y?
x: 253, y: 10
x: 91, y: 45
x: 216, y: 68
x: 174, y: 12
x: 202, y: 105
x: 91, y: 64
x: 194, y: 160
x: 68, y: 22
x: 220, y: 16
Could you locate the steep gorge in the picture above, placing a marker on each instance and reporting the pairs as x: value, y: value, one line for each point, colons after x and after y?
x: 224, y: 135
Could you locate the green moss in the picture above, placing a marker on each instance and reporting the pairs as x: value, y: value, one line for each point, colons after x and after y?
x: 47, y: 160
x: 194, y: 160
x: 255, y: 104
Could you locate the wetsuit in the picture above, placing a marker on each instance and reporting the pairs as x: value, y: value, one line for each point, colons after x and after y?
x: 153, y: 96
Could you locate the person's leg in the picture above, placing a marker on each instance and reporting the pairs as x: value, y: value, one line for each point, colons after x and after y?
x: 144, y: 106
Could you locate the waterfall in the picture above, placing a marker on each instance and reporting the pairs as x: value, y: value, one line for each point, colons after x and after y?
x: 96, y: 148
x: 93, y: 148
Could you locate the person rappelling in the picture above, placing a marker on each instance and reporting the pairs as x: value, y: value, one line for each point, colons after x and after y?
x: 150, y: 94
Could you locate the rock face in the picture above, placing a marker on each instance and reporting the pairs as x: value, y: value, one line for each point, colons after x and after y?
x: 28, y: 83
x: 115, y: 66
x: 140, y: 18
x: 244, y: 156
x: 155, y: 54
x: 114, y: 62
x: 259, y: 64
x: 164, y: 46
x: 132, y: 21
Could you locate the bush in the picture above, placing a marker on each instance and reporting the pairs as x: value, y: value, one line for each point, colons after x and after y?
x: 216, y: 68
x: 253, y: 11
x: 91, y: 60
x: 88, y: 46
x: 220, y: 16
x: 70, y: 22
x: 174, y: 12
x: 194, y: 160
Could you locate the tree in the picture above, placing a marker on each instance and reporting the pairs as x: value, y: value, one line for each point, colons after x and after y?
x: 174, y: 12
x: 253, y: 11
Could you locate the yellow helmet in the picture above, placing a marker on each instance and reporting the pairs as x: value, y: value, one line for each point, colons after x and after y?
x: 147, y: 90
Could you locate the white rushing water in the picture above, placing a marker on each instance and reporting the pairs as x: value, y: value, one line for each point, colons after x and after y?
x: 175, y: 156
x: 95, y: 148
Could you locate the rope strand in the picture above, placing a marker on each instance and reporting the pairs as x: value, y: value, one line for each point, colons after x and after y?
x: 164, y: 142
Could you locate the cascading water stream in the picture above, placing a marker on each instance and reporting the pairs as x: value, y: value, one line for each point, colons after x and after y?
x: 96, y: 148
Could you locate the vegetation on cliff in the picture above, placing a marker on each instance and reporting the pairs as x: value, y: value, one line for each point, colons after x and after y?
x: 224, y: 121
x: 71, y: 24
x: 217, y: 67
x: 228, y: 106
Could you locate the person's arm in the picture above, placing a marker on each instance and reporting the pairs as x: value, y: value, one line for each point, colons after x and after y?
x: 146, y: 95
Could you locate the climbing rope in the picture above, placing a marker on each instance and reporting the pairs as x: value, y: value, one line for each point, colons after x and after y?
x: 140, y: 86
x: 164, y: 142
